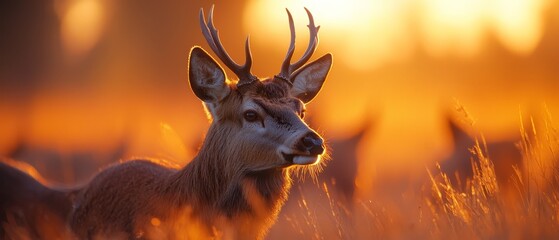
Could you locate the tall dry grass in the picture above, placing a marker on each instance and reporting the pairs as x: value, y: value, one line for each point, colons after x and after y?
x: 480, y: 208
x: 526, y: 208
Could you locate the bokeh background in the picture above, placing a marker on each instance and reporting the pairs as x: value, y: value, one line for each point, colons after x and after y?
x: 84, y: 83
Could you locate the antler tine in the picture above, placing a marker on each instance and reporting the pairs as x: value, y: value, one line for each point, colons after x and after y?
x: 248, y: 56
x: 287, y: 68
x: 287, y: 61
x: 212, y: 37
x: 313, y: 43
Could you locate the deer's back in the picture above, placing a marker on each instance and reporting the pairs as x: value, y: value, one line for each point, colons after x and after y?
x: 28, y: 208
x: 120, y: 199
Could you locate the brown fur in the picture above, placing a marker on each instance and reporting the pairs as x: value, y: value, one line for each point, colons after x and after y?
x: 234, y: 187
x: 217, y: 191
x: 26, y: 206
x: 217, y: 186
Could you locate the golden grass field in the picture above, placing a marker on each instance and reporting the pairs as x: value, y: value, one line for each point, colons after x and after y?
x: 481, y: 208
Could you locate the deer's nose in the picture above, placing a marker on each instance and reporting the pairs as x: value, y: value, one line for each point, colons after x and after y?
x: 313, y: 143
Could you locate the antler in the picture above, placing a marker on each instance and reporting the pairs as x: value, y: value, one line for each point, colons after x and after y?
x: 212, y: 37
x: 287, y: 68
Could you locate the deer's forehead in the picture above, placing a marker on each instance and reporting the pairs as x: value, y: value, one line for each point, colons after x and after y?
x: 268, y: 89
x: 268, y: 95
x: 274, y: 105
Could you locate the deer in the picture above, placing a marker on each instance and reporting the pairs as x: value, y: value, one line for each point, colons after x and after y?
x: 240, y: 178
x: 504, y: 155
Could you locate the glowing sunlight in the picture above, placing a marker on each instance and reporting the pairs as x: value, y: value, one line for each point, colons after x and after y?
x: 82, y: 25
x: 370, y: 34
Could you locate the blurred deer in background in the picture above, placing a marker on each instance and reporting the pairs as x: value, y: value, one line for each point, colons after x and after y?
x: 504, y: 154
x: 240, y: 178
x: 341, y: 172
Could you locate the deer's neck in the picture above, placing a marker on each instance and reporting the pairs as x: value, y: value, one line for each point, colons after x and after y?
x: 215, y: 183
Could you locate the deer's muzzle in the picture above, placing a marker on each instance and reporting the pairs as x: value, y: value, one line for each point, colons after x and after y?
x: 312, y: 144
x: 309, y: 148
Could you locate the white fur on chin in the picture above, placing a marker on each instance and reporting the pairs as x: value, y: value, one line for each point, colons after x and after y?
x: 306, y: 160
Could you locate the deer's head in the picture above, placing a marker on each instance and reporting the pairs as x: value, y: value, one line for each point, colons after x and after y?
x: 260, y: 121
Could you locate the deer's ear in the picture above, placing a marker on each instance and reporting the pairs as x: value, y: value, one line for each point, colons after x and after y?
x: 207, y: 79
x: 308, y: 80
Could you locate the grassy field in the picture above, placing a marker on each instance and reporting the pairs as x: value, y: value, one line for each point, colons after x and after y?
x: 526, y: 207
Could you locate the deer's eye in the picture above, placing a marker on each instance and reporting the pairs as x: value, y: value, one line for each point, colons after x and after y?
x: 251, y: 115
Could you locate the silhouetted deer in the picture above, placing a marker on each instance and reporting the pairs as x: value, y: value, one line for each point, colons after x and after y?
x: 237, y: 183
x: 342, y: 171
x: 29, y: 209
x: 503, y: 154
